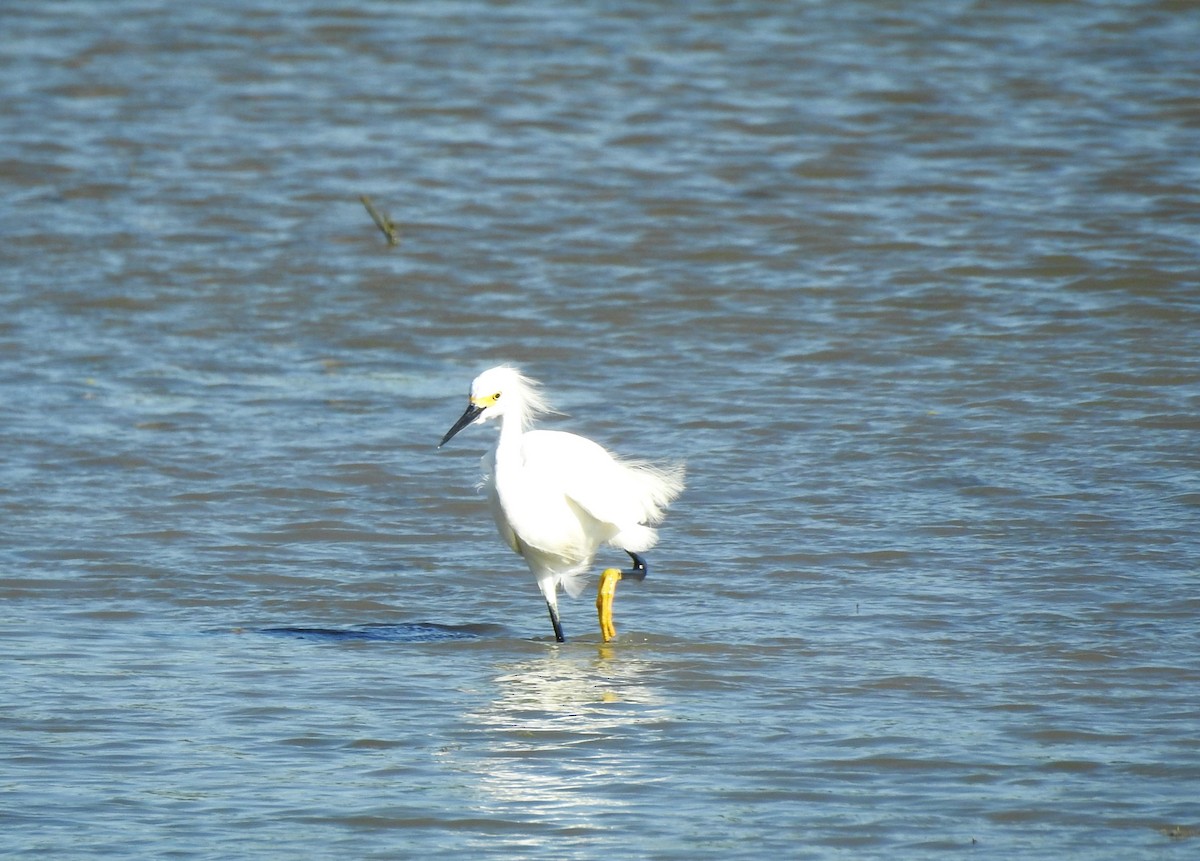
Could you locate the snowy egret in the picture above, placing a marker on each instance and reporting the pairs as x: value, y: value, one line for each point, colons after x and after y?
x: 556, y: 497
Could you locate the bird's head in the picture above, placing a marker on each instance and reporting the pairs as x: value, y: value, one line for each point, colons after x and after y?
x: 498, y: 392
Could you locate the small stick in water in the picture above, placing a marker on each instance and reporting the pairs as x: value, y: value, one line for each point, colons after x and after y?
x: 381, y: 221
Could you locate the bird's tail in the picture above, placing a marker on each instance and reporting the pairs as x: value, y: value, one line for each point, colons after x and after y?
x: 660, y: 485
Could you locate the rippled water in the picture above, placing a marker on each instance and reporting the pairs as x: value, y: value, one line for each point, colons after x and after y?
x: 913, y: 288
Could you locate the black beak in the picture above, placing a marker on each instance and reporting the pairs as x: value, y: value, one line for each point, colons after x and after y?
x: 465, y: 419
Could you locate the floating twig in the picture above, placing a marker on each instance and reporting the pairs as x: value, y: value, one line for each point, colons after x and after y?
x: 381, y: 221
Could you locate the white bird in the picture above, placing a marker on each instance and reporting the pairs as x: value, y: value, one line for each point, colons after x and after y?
x: 556, y: 497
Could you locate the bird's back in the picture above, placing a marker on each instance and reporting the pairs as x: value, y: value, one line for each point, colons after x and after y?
x: 610, y: 488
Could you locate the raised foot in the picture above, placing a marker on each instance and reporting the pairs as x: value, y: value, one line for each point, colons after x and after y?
x: 608, y: 591
x: 604, y: 601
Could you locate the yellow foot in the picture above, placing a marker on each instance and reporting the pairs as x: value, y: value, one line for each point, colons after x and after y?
x: 604, y: 601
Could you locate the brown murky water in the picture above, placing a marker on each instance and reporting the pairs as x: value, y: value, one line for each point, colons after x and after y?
x: 913, y: 288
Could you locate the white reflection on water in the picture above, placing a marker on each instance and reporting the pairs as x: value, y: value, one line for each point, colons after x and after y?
x: 565, y: 738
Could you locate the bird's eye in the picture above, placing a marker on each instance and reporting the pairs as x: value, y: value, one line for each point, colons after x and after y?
x: 496, y: 396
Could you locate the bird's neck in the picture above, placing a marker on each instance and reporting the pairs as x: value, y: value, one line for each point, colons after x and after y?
x: 512, y: 425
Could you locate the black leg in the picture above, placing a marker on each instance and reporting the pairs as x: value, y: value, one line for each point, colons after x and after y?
x: 558, y: 634
x: 639, y: 567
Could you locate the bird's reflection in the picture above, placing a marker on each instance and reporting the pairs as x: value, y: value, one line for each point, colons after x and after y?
x: 568, y: 737
x: 572, y: 689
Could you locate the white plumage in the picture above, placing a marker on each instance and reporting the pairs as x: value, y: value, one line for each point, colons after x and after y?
x: 556, y: 496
